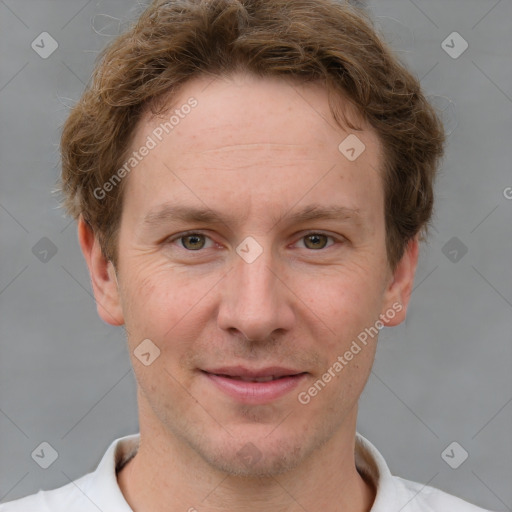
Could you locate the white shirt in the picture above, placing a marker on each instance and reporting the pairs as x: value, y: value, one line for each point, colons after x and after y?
x: 99, y: 490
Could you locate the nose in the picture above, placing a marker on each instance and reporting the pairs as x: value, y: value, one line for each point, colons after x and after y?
x: 256, y: 303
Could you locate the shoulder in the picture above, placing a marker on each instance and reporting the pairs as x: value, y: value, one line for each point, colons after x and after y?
x: 396, y: 493
x: 65, y: 498
x: 419, y: 497
x: 98, y: 490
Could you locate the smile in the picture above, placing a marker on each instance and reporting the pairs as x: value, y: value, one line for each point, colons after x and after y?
x: 254, y: 387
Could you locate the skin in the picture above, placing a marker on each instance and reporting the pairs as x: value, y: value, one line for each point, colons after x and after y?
x: 256, y: 150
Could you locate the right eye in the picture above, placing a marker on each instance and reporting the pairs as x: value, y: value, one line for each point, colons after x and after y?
x: 191, y: 241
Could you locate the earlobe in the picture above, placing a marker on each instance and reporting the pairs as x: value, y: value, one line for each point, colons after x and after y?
x: 400, y: 287
x: 103, y: 276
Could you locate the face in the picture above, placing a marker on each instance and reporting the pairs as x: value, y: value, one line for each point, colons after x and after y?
x: 250, y: 248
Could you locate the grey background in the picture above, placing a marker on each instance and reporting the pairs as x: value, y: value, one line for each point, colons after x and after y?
x: 443, y: 376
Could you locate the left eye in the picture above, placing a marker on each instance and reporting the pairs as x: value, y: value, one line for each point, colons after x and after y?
x: 316, y: 240
x: 193, y: 241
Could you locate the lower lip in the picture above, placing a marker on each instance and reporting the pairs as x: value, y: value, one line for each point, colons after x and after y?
x: 255, y: 392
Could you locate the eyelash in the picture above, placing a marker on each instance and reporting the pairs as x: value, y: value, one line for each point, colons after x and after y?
x: 189, y: 233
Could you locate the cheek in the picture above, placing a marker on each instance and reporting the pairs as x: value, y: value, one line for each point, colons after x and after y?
x: 162, y: 308
x: 152, y: 300
x: 166, y: 303
x: 347, y: 300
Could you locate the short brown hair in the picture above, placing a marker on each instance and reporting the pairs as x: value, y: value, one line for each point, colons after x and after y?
x: 308, y: 40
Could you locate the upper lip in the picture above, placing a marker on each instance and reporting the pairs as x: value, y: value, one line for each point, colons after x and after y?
x: 241, y: 371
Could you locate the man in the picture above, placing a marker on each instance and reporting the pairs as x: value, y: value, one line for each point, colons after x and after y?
x: 251, y: 180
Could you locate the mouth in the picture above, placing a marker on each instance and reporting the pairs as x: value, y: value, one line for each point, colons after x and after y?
x: 253, y: 379
x: 254, y: 386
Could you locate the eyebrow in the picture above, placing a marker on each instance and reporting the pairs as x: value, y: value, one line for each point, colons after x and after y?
x: 173, y: 213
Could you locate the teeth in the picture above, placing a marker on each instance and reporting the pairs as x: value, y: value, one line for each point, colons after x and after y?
x: 257, y: 379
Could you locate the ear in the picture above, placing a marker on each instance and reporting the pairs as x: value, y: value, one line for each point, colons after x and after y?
x: 103, y: 276
x: 399, y: 289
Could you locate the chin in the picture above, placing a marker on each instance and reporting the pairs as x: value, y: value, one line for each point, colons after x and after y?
x: 261, y: 452
x: 251, y: 461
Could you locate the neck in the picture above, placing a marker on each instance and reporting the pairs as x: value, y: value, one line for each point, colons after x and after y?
x: 167, y: 475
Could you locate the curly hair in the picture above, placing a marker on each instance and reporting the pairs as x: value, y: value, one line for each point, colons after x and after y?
x: 328, y: 41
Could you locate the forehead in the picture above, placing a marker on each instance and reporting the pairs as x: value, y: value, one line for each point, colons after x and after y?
x: 245, y: 109
x: 268, y: 139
